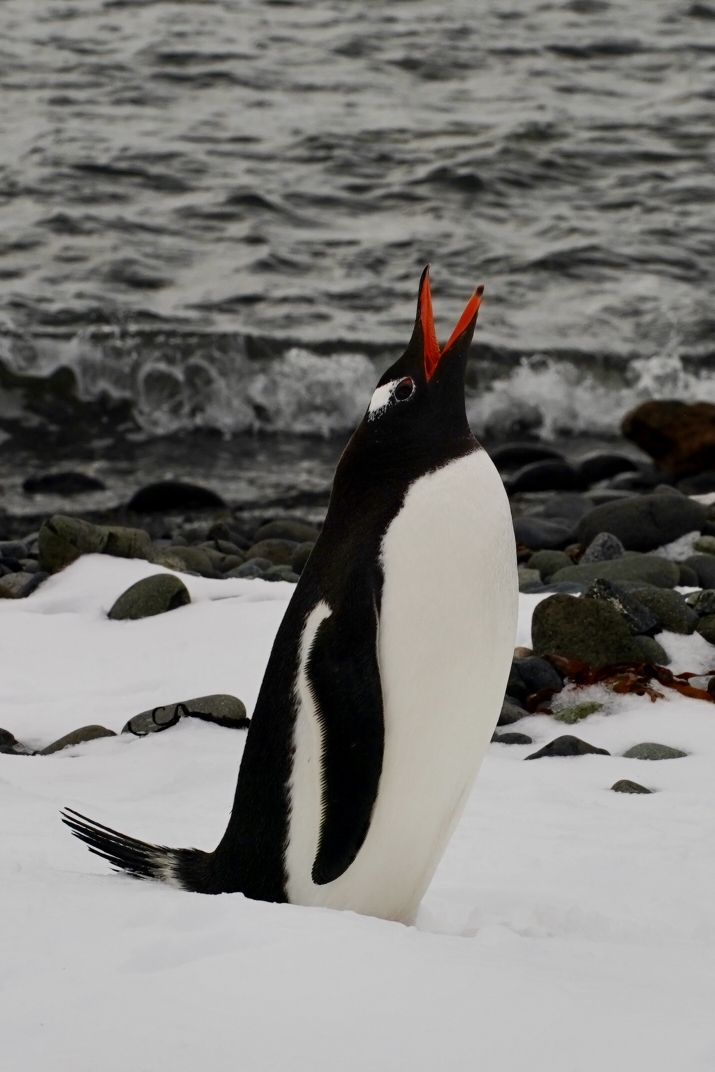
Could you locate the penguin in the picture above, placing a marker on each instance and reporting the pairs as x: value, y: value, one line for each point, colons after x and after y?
x: 387, y: 673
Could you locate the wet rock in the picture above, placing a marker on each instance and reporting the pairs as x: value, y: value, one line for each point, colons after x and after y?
x: 706, y: 628
x: 576, y: 712
x: 193, y: 558
x: 583, y: 629
x: 548, y: 562
x: 221, y: 708
x: 152, y: 595
x: 512, y: 738
x: 688, y: 577
x: 544, y: 476
x: 287, y: 529
x: 528, y: 578
x: 566, y: 508
x: 250, y: 570
x: 20, y: 585
x: 625, y: 785
x: 643, y: 523
x: 63, y: 539
x: 516, y: 687
x: 703, y: 602
x: 603, y: 466
x: 173, y: 495
x: 603, y: 548
x: 705, y: 545
x: 648, y: 569
x: 669, y: 607
x: 300, y: 557
x: 84, y: 733
x: 221, y: 530
x: 704, y: 568
x: 679, y: 436
x: 699, y: 484
x: 537, y: 674
x: 516, y: 455
x: 127, y: 543
x: 281, y: 573
x: 644, y: 479
x: 278, y: 552
x: 638, y: 618
x: 10, y: 549
x: 651, y: 750
x: 66, y: 483
x: 231, y: 562
x: 541, y: 534
x: 651, y: 651
x: 568, y: 746
x: 510, y: 713
x: 10, y: 746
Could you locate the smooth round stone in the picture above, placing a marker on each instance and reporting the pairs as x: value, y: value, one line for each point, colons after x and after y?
x: 584, y: 629
x: 281, y: 573
x: 644, y: 522
x: 539, y: 533
x: 651, y: 651
x: 10, y: 746
x: 669, y: 607
x: 512, y: 738
x: 65, y: 483
x: 63, y: 539
x: 569, y: 508
x: 544, y: 476
x: 625, y: 785
x: 704, y: 568
x: 637, y: 616
x: 537, y: 674
x: 84, y: 733
x: 688, y: 576
x: 287, y: 529
x: 603, y: 548
x: 250, y: 570
x: 602, y: 466
x: 516, y: 455
x: 300, y: 557
x: 548, y: 562
x: 220, y: 708
x: 706, y: 628
x: 152, y: 595
x: 173, y: 495
x: 278, y: 552
x: 13, y: 549
x: 14, y: 585
x: 192, y: 558
x: 705, y: 545
x: 577, y: 712
x: 650, y: 569
x: 700, y: 484
x: 510, y: 713
x: 528, y: 578
x: 567, y: 746
x: 651, y: 750
x: 516, y: 687
x: 703, y: 602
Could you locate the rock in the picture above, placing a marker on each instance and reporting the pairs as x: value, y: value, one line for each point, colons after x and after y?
x: 221, y: 708
x: 152, y: 595
x: 603, y: 548
x: 648, y: 569
x: 10, y: 746
x: 538, y: 533
x: 516, y: 455
x: 577, y: 712
x: 250, y: 570
x: 602, y: 466
x: 706, y: 628
x: 278, y: 552
x: 688, y: 577
x: 566, y: 508
x: 516, y: 687
x: 19, y: 585
x: 512, y: 738
x: 281, y: 573
x: 169, y: 560
x: 703, y: 566
x: 679, y: 436
x: 636, y: 615
x: 231, y: 562
x: 193, y: 558
x: 528, y: 578
x: 127, y: 543
x: 599, y: 496
x: 643, y: 523
x: 643, y: 479
x: 544, y: 476
x: 287, y: 529
x: 567, y: 746
x: 510, y: 713
x: 301, y: 556
x: 699, y: 484
x: 705, y: 545
x: 669, y: 607
x: 173, y: 495
x: 703, y: 602
x: 537, y: 674
x: 625, y: 785
x: 582, y: 629
x: 650, y: 750
x: 651, y: 651
x: 517, y: 418
x: 520, y: 652
x: 63, y: 539
x: 84, y: 733
x: 548, y: 562
x: 66, y: 483
x: 13, y: 549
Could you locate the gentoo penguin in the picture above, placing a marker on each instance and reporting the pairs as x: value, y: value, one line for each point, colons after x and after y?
x: 387, y: 673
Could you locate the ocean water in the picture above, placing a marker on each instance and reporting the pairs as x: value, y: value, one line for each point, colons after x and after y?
x: 214, y: 213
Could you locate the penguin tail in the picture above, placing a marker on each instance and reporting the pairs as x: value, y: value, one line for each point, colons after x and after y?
x: 187, y: 869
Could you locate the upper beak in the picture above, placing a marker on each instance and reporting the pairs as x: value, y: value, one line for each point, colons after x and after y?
x: 431, y: 350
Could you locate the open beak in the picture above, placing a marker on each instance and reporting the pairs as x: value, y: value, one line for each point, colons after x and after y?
x: 431, y: 350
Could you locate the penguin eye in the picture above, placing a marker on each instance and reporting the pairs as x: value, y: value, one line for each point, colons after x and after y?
x: 404, y: 390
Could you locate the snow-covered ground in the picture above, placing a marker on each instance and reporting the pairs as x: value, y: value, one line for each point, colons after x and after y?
x: 568, y: 928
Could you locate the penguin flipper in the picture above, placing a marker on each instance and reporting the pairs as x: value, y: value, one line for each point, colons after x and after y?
x: 344, y: 677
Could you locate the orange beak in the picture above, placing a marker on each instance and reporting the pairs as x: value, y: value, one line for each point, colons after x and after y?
x: 432, y: 352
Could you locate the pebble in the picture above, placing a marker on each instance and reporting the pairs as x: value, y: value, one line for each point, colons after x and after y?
x: 540, y: 533
x: 193, y: 558
x: 287, y: 529
x: 545, y: 475
x: 548, y: 562
x: 250, y: 570
x: 279, y: 552
x: 152, y: 595
x: 528, y: 578
x: 173, y: 495
x: 567, y: 746
x: 704, y: 569
x: 651, y: 750
x: 537, y: 674
x: 577, y: 712
x: 688, y: 576
x: 705, y: 545
x: 20, y: 585
x: 669, y: 607
x: 603, y: 548
x: 645, y: 522
x: 569, y: 508
x: 637, y: 616
x: 700, y: 484
x: 584, y: 629
x: 651, y: 651
x: 625, y: 785
x: 706, y: 628
x: 281, y: 573
x: 63, y: 539
x: 65, y: 483
x: 634, y: 567
x: 84, y: 733
x: 510, y: 713
x: 602, y: 466
x: 512, y: 738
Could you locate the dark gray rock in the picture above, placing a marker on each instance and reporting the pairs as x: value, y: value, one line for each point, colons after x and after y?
x: 152, y: 595
x: 281, y: 573
x: 510, y: 713
x: 650, y: 569
x: 669, y: 607
x: 65, y: 483
x: 250, y: 570
x: 550, y: 475
x: 529, y: 579
x: 512, y: 738
x: 20, y: 585
x: 625, y: 785
x: 700, y: 484
x: 567, y: 746
x: 191, y: 558
x: 300, y: 557
x: 651, y: 750
x: 10, y: 746
x: 223, y: 709
x: 688, y: 576
x: 603, y: 548
x: 603, y: 466
x: 278, y: 552
x: 548, y: 562
x: 13, y: 549
x: 539, y: 533
x: 704, y: 568
x: 516, y: 686
x: 644, y: 479
x: 645, y: 522
x: 80, y: 736
x: 703, y: 602
x: 287, y: 529
x: 651, y: 651
x: 637, y: 616
x: 706, y: 628
x: 537, y: 674
x: 577, y: 712
x: 705, y: 545
x: 568, y: 508
x: 63, y: 539
x: 516, y: 455
x: 173, y: 495
x: 584, y: 629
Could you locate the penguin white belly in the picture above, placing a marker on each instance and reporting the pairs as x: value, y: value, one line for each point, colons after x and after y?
x: 445, y: 644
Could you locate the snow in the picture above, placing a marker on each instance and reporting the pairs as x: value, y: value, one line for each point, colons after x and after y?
x: 568, y: 928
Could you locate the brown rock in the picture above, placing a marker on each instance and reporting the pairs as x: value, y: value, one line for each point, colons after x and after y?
x: 679, y: 436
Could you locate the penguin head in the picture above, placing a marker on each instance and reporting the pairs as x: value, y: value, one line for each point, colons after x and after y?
x: 420, y: 398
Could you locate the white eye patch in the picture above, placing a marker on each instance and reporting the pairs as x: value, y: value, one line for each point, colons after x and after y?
x: 381, y: 398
